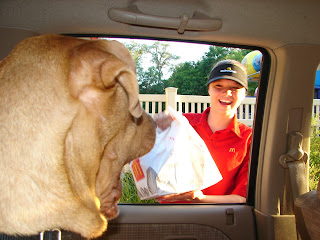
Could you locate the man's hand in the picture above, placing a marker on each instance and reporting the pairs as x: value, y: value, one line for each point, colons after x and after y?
x: 192, y: 196
x: 163, y: 120
x: 199, y: 197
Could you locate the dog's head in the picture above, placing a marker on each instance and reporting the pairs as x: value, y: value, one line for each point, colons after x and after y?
x: 103, y: 78
x: 75, y: 110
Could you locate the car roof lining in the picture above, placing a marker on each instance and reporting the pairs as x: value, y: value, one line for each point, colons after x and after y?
x: 55, y: 16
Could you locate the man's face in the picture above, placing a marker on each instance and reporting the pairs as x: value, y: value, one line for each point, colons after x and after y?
x: 226, y: 96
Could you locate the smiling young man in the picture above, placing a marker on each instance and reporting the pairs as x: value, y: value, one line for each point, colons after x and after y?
x: 227, y: 139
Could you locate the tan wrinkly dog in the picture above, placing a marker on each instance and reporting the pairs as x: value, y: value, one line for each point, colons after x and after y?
x: 70, y: 119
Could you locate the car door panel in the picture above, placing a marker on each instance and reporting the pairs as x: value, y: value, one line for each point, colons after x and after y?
x: 182, y: 221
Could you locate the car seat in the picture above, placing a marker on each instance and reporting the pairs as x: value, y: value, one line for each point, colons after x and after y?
x: 307, y: 207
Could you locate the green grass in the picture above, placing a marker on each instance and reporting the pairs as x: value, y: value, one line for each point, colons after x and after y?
x: 129, y: 191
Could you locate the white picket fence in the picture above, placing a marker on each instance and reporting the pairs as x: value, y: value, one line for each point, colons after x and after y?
x: 316, y: 108
x: 155, y: 103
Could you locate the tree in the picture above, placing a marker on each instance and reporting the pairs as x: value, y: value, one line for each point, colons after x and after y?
x: 187, y: 78
x: 149, y: 84
x: 161, y: 58
x: 238, y: 54
x: 151, y: 80
x: 191, y: 78
x: 137, y: 52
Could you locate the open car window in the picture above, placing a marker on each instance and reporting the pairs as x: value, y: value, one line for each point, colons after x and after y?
x: 175, y: 74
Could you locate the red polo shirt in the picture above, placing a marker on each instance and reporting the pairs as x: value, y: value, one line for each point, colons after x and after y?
x: 230, y: 148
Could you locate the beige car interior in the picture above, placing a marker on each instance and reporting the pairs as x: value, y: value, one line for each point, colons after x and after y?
x: 280, y: 205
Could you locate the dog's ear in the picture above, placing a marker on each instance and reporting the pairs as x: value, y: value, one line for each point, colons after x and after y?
x: 118, y: 70
x: 95, y: 68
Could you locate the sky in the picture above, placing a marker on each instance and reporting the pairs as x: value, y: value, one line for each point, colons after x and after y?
x: 186, y: 51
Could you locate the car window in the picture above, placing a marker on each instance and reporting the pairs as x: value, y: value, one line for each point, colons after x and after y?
x: 175, y: 74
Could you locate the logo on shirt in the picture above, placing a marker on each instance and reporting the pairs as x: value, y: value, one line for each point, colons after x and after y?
x: 233, y: 150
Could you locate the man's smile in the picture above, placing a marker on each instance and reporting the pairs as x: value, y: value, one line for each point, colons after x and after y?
x: 225, y: 102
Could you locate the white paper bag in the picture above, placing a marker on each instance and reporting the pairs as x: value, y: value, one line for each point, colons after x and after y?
x: 179, y: 162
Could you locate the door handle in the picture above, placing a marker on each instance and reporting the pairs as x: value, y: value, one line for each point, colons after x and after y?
x: 132, y: 15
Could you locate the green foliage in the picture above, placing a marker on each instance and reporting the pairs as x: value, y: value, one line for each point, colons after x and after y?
x: 190, y: 78
x: 161, y: 58
x: 129, y: 190
x: 314, y: 169
x: 137, y: 52
x: 252, y: 87
x: 238, y: 54
x: 151, y: 81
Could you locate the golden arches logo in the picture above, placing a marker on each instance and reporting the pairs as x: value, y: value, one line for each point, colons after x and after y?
x: 137, y: 170
x: 232, y: 150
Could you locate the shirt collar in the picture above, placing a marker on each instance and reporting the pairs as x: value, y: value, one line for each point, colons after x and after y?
x: 233, y: 126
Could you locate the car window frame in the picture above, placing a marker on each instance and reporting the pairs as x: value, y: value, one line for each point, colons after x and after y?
x: 259, y: 107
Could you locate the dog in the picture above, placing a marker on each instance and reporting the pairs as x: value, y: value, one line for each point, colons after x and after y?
x: 70, y: 119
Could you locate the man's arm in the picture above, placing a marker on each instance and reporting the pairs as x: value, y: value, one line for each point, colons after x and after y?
x: 199, y: 197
